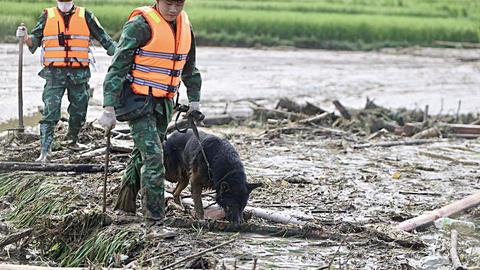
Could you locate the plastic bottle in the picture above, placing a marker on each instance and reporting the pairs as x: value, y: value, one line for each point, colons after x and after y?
x: 463, y: 227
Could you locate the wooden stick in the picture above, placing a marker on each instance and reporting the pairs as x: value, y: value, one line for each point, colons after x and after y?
x: 457, y: 265
x: 428, y: 133
x: 31, y: 267
x: 457, y: 117
x: 464, y: 129
x: 14, y: 237
x: 162, y: 255
x: 395, y: 143
x: 425, y: 116
x: 51, y: 167
x: 198, y: 254
x: 277, y: 114
x: 315, y: 119
x: 419, y: 193
x: 105, y: 172
x: 448, y: 210
x: 343, y: 111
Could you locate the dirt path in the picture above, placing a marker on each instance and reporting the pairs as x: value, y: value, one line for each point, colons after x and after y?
x: 394, y: 78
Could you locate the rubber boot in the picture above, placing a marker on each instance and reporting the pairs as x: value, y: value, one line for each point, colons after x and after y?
x: 71, y: 143
x: 156, y: 230
x: 46, y: 139
x: 44, y: 156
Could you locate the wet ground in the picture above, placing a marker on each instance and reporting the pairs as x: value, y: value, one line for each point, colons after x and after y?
x: 314, y: 172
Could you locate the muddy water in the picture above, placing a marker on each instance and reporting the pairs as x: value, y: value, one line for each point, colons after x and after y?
x: 394, y: 78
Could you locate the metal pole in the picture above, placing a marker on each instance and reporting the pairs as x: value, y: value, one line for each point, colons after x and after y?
x: 107, y: 159
x: 21, y: 127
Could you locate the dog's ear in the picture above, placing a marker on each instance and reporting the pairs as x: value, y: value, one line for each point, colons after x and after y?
x: 253, y: 186
x: 224, y: 187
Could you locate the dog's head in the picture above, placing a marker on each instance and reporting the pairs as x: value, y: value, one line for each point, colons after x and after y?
x: 232, y: 196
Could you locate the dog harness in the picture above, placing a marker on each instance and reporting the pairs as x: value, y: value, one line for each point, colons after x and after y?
x: 62, y: 46
x: 158, y: 65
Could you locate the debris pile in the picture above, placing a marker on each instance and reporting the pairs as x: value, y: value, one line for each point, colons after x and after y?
x: 330, y: 192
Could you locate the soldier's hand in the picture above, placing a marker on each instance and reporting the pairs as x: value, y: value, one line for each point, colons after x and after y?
x: 108, y: 120
x: 22, y: 33
x: 193, y: 106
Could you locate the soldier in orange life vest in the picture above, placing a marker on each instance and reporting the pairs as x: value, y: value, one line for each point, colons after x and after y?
x: 64, y: 32
x: 156, y: 51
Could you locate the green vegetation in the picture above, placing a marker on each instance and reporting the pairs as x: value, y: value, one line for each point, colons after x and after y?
x: 70, y: 236
x: 332, y: 24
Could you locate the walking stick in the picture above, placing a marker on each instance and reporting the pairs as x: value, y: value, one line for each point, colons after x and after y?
x: 107, y: 159
x: 20, y: 128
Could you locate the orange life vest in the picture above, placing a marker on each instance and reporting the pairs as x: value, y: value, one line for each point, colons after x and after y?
x: 159, y: 64
x: 66, y: 47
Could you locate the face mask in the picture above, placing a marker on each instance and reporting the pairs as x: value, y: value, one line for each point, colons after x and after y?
x: 65, y: 6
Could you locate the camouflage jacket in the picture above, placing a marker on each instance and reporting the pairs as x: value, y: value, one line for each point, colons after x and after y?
x: 77, y: 75
x: 136, y: 33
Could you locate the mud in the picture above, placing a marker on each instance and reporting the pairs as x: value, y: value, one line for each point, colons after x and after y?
x: 311, y: 172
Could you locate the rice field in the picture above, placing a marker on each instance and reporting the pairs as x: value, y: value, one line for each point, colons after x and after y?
x: 331, y: 24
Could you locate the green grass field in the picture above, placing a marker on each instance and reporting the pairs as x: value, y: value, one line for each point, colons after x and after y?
x: 331, y: 24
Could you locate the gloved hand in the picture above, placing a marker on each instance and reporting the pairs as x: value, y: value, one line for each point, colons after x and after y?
x: 194, y: 106
x: 108, y: 119
x: 22, y: 33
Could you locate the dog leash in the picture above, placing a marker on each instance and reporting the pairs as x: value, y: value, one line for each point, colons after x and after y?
x: 191, y: 118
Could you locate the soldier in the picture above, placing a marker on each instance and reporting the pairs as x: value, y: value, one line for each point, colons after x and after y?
x: 64, y: 34
x: 156, y: 49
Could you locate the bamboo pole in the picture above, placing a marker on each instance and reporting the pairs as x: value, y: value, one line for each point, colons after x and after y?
x: 448, y: 210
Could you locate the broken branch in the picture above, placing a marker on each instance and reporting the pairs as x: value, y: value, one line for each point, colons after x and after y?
x: 448, y: 210
x: 396, y: 143
x: 15, y: 237
x: 457, y: 265
x: 198, y: 254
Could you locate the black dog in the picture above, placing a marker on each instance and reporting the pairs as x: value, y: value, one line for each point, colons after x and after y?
x: 184, y: 163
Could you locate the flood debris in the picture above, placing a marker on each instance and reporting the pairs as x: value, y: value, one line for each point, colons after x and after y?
x: 331, y: 191
x: 53, y: 167
x: 448, y: 210
x: 457, y: 265
x: 15, y: 237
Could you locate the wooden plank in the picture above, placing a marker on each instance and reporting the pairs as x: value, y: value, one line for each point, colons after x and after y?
x: 464, y: 129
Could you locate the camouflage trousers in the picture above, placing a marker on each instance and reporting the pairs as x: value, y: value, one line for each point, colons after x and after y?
x: 145, y: 170
x: 78, y: 96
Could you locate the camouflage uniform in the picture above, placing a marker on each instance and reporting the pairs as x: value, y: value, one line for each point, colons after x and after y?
x: 145, y: 168
x: 75, y: 80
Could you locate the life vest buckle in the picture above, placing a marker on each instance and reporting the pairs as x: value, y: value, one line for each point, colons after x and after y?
x: 176, y: 57
x: 172, y: 88
x: 175, y: 73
